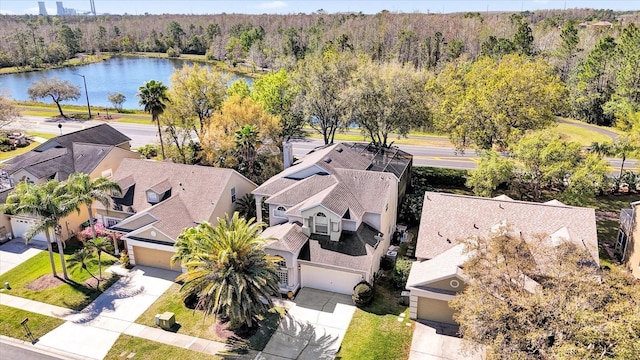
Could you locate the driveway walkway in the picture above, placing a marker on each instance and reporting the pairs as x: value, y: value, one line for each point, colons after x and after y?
x: 90, y: 333
x: 436, y: 341
x: 313, y: 328
x: 15, y: 252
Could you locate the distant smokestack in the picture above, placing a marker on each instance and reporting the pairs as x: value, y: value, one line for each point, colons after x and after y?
x: 42, y: 8
x: 287, y: 152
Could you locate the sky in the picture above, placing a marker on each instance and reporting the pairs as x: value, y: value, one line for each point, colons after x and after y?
x: 139, y: 7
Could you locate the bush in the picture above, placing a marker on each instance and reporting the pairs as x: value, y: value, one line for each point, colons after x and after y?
x: 173, y: 52
x: 148, y: 151
x: 124, y: 260
x: 401, y: 273
x: 362, y: 294
x: 386, y: 263
x: 423, y: 177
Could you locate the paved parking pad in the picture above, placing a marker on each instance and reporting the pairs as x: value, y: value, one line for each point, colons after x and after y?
x: 15, y: 252
x: 433, y: 341
x: 312, y: 329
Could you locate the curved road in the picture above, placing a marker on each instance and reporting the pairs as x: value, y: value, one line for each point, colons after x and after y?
x: 597, y: 129
x: 142, y: 134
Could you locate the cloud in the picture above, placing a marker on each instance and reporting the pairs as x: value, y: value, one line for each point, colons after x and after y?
x: 273, y: 5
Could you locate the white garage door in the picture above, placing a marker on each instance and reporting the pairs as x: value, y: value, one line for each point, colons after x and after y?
x: 328, y: 279
x: 20, y: 227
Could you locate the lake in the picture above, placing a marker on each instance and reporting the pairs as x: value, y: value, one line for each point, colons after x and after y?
x: 118, y: 74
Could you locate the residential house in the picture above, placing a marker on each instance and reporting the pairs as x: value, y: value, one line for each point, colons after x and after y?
x: 332, y: 214
x: 160, y: 199
x: 96, y: 151
x: 628, y: 241
x: 438, y: 275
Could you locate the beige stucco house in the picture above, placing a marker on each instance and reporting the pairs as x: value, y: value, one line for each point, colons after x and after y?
x: 331, y: 216
x: 628, y: 242
x: 438, y: 275
x: 96, y: 151
x: 160, y: 199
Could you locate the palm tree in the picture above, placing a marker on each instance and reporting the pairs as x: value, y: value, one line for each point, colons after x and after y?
x: 227, y: 270
x: 100, y: 245
x: 85, y: 191
x: 80, y: 259
x: 246, y: 206
x: 153, y: 96
x: 621, y: 148
x: 247, y: 142
x: 47, y: 202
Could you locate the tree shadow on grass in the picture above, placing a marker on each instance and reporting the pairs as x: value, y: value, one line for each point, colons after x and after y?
x: 90, y: 293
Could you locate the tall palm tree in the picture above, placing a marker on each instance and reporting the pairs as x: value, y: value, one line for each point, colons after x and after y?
x: 621, y: 148
x: 80, y: 259
x: 48, y: 203
x: 247, y: 142
x: 153, y: 96
x: 83, y: 190
x: 227, y: 270
x: 100, y: 245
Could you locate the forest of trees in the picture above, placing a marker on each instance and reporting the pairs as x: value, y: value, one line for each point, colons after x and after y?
x: 596, y: 63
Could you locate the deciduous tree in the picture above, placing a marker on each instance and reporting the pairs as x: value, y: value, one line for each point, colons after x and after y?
x: 321, y: 80
x: 8, y: 112
x: 534, y: 300
x: 492, y: 102
x: 384, y: 99
x: 57, y: 90
x: 492, y: 171
x: 117, y: 99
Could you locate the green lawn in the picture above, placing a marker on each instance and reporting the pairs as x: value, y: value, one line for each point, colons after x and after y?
x: 376, y: 333
x: 584, y: 137
x: 129, y: 347
x: 193, y: 323
x: 5, y: 155
x: 72, y: 294
x: 38, y: 324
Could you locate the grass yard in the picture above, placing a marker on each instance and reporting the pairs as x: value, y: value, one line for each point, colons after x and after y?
x: 72, y: 294
x: 193, y: 322
x: 129, y: 347
x: 38, y: 324
x: 376, y: 333
x: 584, y: 137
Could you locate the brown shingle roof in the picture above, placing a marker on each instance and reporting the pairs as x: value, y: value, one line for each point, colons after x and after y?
x: 447, y: 218
x: 195, y: 190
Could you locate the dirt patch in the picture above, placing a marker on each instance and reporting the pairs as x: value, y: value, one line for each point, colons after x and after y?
x: 607, y: 215
x: 222, y: 330
x: 45, y: 282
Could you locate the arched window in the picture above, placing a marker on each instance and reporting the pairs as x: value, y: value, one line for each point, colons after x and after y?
x: 322, y: 223
x: 279, y: 212
x: 280, y: 261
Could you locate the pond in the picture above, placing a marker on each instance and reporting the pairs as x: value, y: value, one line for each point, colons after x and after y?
x: 118, y: 74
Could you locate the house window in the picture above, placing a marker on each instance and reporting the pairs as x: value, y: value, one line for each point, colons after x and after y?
x: 279, y: 212
x: 233, y: 195
x: 152, y: 197
x: 322, y: 226
x: 112, y: 222
x: 335, y: 226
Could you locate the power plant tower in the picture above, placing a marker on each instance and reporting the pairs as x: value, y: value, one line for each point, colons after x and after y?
x: 59, y: 8
x: 93, y: 8
x: 42, y: 8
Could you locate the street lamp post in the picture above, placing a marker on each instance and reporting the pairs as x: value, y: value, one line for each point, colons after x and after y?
x: 86, y: 93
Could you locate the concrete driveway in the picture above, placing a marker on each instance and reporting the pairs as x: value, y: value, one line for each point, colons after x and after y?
x: 15, y: 252
x: 437, y: 341
x: 313, y: 328
x: 91, y: 332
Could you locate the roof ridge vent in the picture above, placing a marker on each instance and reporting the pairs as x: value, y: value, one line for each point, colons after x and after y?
x: 327, y: 160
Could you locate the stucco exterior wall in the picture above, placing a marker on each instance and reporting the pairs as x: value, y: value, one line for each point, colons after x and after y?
x: 632, y: 255
x: 224, y: 204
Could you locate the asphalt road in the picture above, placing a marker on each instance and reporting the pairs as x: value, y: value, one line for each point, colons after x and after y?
x: 142, y: 134
x: 11, y: 352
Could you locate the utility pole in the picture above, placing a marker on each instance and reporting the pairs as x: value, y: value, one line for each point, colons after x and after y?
x: 86, y: 93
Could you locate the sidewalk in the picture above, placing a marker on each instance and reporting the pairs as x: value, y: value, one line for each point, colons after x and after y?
x: 91, y: 333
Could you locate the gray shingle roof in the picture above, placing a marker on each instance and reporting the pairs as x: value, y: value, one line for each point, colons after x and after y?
x: 355, y: 250
x: 79, y: 151
x: 447, y: 218
x: 288, y: 237
x: 442, y: 266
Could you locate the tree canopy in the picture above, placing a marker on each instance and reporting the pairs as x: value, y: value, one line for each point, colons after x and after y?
x: 492, y: 102
x: 57, y: 90
x: 534, y: 300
